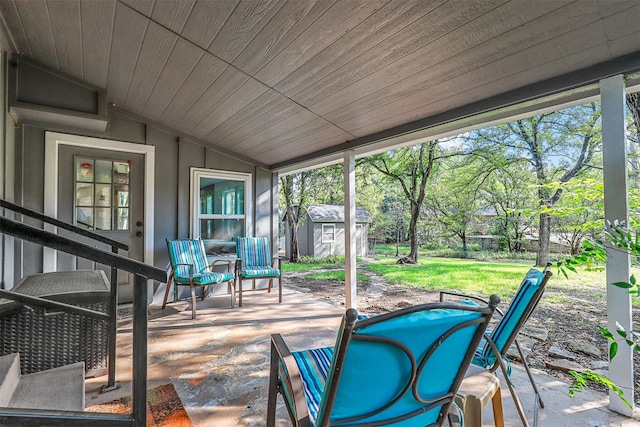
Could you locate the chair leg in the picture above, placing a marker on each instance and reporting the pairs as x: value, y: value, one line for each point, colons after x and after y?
x: 514, y: 396
x: 240, y: 292
x: 270, y: 285
x: 231, y: 288
x: 166, y: 292
x: 272, y: 396
x: 280, y: 288
x: 530, y: 375
x: 498, y: 414
x: 193, y: 302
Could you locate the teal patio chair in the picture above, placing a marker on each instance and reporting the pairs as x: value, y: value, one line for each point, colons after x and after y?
x: 255, y: 262
x: 189, y: 267
x: 491, y: 353
x: 401, y: 368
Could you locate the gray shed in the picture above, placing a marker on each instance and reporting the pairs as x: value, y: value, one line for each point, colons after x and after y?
x: 322, y: 231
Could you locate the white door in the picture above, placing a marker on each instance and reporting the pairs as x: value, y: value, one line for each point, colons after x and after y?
x: 102, y: 191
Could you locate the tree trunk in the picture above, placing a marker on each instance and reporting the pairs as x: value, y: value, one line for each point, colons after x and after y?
x: 294, y: 256
x: 544, y: 236
x: 413, y: 233
x: 464, y: 243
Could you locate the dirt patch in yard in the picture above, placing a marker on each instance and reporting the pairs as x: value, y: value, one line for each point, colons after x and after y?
x: 566, y: 314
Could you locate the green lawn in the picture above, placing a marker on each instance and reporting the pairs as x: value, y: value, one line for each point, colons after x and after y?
x: 467, y: 276
x: 481, y: 278
x: 289, y: 267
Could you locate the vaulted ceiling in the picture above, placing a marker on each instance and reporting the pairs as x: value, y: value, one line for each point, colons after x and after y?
x: 282, y: 81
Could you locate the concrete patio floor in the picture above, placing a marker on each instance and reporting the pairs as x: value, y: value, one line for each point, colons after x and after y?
x: 219, y: 363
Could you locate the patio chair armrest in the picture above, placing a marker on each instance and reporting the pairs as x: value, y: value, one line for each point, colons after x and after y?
x: 281, y: 356
x: 499, y: 361
x: 173, y: 267
x: 461, y: 295
x: 443, y: 294
x: 276, y: 262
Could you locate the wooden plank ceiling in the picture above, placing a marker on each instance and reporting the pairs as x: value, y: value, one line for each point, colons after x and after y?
x: 277, y: 80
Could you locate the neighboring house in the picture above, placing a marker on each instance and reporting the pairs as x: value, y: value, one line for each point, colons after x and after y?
x: 321, y: 232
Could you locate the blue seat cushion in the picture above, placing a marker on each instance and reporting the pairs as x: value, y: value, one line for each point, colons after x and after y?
x: 314, y: 367
x: 205, y: 278
x: 258, y: 272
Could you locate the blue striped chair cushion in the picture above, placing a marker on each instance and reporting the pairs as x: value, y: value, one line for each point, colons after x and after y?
x: 206, y: 278
x: 509, y: 322
x: 314, y: 367
x: 255, y: 273
x: 187, y: 252
x: 254, y: 252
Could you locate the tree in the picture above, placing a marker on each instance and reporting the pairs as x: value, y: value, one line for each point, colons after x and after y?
x: 294, y: 191
x: 410, y: 168
x: 508, y: 191
x: 580, y: 212
x: 556, y: 146
x: 453, y: 197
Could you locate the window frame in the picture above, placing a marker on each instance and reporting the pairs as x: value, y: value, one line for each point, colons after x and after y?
x: 322, y: 238
x: 194, y: 201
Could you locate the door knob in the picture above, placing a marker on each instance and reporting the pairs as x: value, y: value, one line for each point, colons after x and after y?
x: 139, y: 234
x: 139, y: 223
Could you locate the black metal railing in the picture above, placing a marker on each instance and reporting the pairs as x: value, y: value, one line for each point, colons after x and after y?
x: 142, y: 272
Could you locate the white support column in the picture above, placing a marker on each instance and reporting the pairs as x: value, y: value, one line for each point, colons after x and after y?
x: 616, y: 207
x: 350, y: 229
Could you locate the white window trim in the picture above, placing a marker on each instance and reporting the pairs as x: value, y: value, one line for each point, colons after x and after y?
x: 333, y: 227
x: 194, y: 198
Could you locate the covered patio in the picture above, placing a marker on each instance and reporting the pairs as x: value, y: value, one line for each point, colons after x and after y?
x: 248, y: 90
x: 219, y: 363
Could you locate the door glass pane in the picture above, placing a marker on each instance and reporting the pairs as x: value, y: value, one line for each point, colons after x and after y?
x: 103, y: 219
x: 84, y: 169
x: 84, y: 218
x: 103, y: 171
x: 122, y: 196
x: 103, y: 194
x: 84, y: 194
x: 120, y: 172
x: 122, y: 220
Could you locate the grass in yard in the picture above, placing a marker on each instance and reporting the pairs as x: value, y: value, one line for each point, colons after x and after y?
x: 467, y: 276
x: 335, y: 275
x: 289, y: 267
x: 486, y: 278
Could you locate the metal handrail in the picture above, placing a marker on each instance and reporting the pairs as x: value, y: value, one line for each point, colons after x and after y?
x: 69, y: 227
x: 143, y: 273
x: 52, y: 240
x: 50, y: 304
